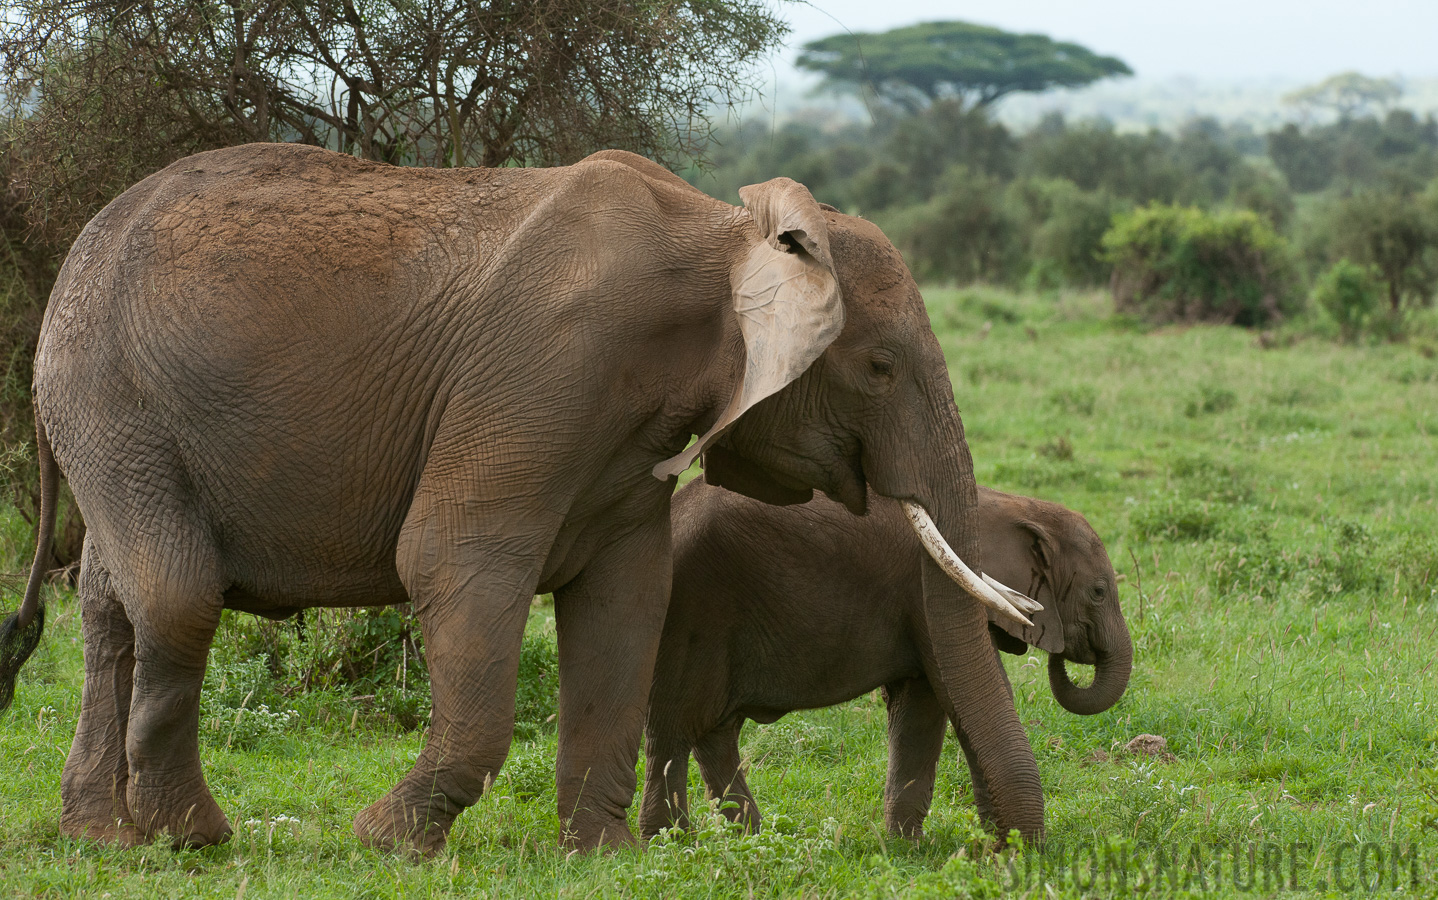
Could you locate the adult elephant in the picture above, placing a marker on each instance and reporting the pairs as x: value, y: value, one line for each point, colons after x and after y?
x: 279, y: 377
x: 777, y: 609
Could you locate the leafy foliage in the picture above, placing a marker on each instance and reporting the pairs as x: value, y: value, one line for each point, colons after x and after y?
x: 1181, y: 264
x: 919, y: 64
x: 97, y: 94
x: 963, y: 232
x: 444, y: 83
x: 537, y: 703
x: 1393, y: 232
x: 1350, y: 294
x: 1397, y: 149
x: 1347, y: 93
x: 1065, y: 225
x: 235, y: 704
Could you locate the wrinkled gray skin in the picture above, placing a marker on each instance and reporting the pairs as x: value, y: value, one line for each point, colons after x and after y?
x: 278, y: 377
x: 776, y: 609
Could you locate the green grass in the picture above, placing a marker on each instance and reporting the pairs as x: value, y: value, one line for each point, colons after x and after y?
x: 1272, y: 515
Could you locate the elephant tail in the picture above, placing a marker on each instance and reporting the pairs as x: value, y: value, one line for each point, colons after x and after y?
x: 20, y: 632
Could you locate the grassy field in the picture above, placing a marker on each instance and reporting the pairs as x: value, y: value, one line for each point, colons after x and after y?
x: 1272, y: 515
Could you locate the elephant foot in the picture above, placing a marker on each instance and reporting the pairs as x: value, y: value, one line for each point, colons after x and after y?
x: 908, y: 824
x: 390, y: 825
x: 116, y: 830
x: 586, y: 833
x: 188, y: 814
x: 650, y: 830
x: 91, y: 814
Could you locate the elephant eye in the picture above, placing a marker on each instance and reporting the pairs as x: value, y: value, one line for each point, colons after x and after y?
x: 881, y: 365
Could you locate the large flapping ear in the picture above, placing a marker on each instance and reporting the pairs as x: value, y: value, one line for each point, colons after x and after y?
x: 786, y: 295
x: 1047, y: 632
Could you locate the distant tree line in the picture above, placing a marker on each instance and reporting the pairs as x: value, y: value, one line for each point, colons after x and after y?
x: 1254, y: 219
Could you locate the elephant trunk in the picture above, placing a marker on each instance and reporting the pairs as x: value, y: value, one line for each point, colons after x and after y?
x: 1111, y: 672
x: 971, y: 683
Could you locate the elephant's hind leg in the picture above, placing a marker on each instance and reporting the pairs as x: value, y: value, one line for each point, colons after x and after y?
x: 97, y: 773
x: 722, y: 767
x: 173, y: 598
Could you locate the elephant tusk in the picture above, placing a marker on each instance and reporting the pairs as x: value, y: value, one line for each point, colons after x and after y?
x: 1024, y: 602
x: 955, y: 568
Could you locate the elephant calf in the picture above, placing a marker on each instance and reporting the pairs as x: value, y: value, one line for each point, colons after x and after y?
x: 781, y: 608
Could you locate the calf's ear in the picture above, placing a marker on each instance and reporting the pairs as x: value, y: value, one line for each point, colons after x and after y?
x: 786, y: 296
x: 1047, y: 632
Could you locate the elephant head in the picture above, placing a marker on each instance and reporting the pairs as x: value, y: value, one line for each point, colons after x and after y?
x: 846, y: 394
x: 1055, y: 555
x: 868, y: 405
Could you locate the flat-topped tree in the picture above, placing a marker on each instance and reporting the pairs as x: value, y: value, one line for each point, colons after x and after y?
x: 914, y: 66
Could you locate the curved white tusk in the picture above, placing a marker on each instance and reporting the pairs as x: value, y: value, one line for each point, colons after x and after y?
x: 954, y: 567
x: 1024, y: 602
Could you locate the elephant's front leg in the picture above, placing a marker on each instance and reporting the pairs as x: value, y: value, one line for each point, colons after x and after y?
x: 916, y: 741
x: 471, y: 582
x: 609, y: 621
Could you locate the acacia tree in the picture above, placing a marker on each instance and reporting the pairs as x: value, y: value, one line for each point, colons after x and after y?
x: 1394, y: 233
x: 96, y: 94
x: 914, y: 66
x: 1347, y: 94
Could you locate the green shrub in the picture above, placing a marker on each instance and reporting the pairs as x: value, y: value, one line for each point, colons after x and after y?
x: 1351, y: 564
x: 963, y: 233
x: 528, y: 772
x: 235, y: 704
x: 1264, y: 191
x: 1063, y: 227
x: 1210, y: 479
x: 1181, y: 264
x: 1096, y: 156
x: 1351, y: 295
x: 1252, y: 561
x: 1060, y: 448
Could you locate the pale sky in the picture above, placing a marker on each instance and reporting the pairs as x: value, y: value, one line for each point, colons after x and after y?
x: 1226, y: 40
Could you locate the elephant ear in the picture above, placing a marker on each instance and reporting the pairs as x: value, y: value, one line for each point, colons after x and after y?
x: 786, y: 295
x: 1047, y: 632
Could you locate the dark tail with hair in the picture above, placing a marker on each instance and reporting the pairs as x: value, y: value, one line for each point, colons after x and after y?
x: 20, y: 632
